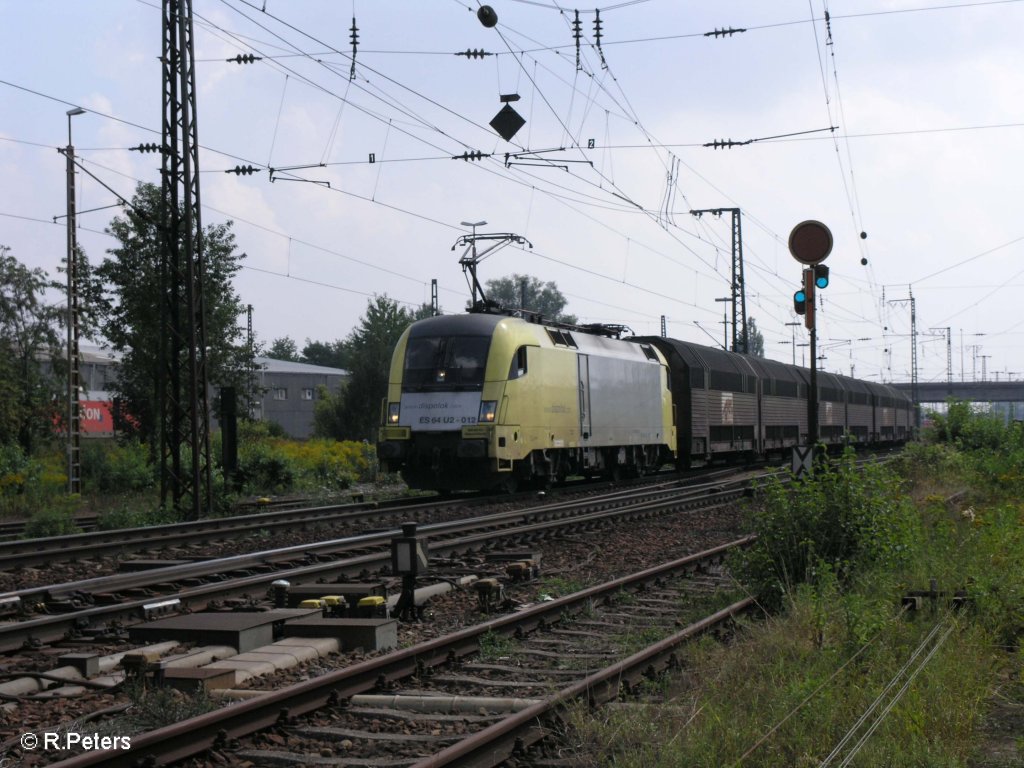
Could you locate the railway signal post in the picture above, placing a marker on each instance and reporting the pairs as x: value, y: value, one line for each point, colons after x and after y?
x: 408, y: 559
x: 810, y: 242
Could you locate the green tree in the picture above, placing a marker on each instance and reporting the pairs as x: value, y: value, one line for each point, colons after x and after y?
x: 284, y: 348
x: 332, y: 354
x: 31, y: 392
x: 127, y: 287
x: 354, y: 413
x: 755, y: 339
x: 527, y: 292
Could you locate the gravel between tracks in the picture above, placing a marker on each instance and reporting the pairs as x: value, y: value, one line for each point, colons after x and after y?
x: 569, y: 563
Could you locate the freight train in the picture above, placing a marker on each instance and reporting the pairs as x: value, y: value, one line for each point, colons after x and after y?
x: 491, y: 400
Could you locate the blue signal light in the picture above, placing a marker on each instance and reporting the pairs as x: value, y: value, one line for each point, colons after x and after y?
x: 800, y: 296
x: 821, y: 276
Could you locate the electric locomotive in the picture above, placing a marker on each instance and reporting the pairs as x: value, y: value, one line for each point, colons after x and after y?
x: 490, y: 400
x: 484, y: 400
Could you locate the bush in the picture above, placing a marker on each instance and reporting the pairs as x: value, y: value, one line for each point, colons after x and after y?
x: 109, y: 466
x: 990, y: 454
x: 57, y: 518
x: 14, y: 469
x: 135, y: 511
x: 962, y: 427
x: 830, y: 523
x: 264, y: 469
x: 29, y: 483
x: 331, y: 464
x: 268, y: 464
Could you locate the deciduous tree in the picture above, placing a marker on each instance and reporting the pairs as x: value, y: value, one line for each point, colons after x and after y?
x: 527, y: 292
x: 284, y: 348
x: 32, y: 370
x: 755, y: 339
x: 354, y: 413
x: 128, y: 287
x: 332, y: 354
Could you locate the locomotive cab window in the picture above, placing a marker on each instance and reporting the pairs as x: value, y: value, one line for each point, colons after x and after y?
x: 445, y: 362
x: 518, y: 368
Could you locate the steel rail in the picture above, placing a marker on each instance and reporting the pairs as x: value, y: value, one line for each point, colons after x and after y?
x: 51, y: 628
x: 195, y: 735
x: 23, y: 553
x: 330, y: 548
x: 26, y: 553
x: 495, y: 744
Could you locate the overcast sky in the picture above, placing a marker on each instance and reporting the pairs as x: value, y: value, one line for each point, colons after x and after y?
x: 926, y: 101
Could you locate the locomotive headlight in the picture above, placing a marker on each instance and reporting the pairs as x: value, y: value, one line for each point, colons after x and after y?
x: 393, y: 411
x: 487, y: 411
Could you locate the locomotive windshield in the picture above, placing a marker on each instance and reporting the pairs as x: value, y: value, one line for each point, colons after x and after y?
x: 445, y: 362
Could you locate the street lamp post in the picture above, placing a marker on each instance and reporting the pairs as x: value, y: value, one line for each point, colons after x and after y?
x: 725, y: 322
x: 474, y: 225
x: 794, y: 326
x: 74, y: 425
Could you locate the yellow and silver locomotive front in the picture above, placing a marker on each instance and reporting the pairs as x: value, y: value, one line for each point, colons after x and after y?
x: 442, y: 404
x: 482, y: 401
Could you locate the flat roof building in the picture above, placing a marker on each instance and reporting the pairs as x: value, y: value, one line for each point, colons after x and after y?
x: 285, y: 392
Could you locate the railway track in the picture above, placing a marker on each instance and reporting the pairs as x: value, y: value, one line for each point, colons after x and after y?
x: 15, y: 529
x: 101, y: 605
x: 589, y: 645
x: 27, y: 553
x: 91, y: 544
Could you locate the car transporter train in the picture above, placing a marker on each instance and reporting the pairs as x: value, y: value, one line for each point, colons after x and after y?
x: 489, y: 400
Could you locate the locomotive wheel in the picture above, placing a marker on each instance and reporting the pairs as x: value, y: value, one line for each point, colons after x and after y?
x: 543, y: 483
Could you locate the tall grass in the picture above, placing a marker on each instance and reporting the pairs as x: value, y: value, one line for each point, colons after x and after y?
x: 835, y: 558
x: 121, y: 484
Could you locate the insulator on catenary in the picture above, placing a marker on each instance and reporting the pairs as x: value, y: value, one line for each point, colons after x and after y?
x: 724, y: 32
x: 242, y: 170
x: 354, y: 36
x: 467, y: 156
x: 148, y: 148
x: 245, y: 58
x: 727, y: 143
